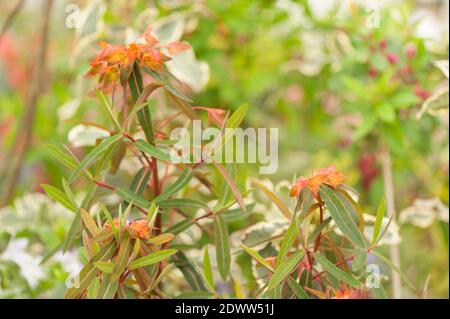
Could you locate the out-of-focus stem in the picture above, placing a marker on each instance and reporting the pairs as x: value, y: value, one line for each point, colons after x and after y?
x: 390, y: 208
x: 13, y: 163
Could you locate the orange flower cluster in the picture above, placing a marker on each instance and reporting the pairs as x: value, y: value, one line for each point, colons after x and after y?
x: 137, y: 229
x: 114, y: 59
x: 140, y: 229
x: 328, y: 176
x: 348, y: 293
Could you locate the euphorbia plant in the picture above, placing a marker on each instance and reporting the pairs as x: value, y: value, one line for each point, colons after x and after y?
x: 131, y: 246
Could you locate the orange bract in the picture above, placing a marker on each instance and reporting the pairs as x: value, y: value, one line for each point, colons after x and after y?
x: 114, y: 59
x: 328, y: 176
x: 140, y: 229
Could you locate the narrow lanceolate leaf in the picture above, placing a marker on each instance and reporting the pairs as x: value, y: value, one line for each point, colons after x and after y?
x: 342, y: 215
x: 298, y: 290
x: 238, y: 116
x: 89, y: 222
x: 94, y: 154
x: 379, y: 220
x: 222, y: 242
x: 140, y: 180
x: 275, y: 199
x: 287, y: 242
x: 64, y: 158
x: 152, y: 150
x: 108, y: 288
x: 59, y: 197
x: 207, y: 270
x: 122, y: 258
x: 108, y: 109
x: 254, y: 254
x: 285, y: 268
x: 359, y: 261
x: 152, y: 258
x: 181, y: 226
x: 164, y: 272
x: 182, y: 181
x: 161, y: 239
x: 193, y: 278
x: 336, y: 272
x: 167, y: 85
x: 181, y: 202
x: 93, y: 290
x: 195, y: 295
x: 130, y: 197
x: 77, y: 224
x: 88, y: 273
x: 152, y: 213
x: 104, y: 266
x: 232, y: 184
x: 141, y: 102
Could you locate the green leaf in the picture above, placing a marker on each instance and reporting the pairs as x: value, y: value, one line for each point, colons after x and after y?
x: 359, y: 261
x: 167, y: 85
x: 379, y: 220
x: 109, y: 109
x: 337, y: 272
x: 131, y: 197
x: 104, y: 266
x: 285, y: 268
x: 142, y: 102
x: 342, y: 212
x: 89, y: 222
x: 67, y: 160
x: 190, y: 273
x: 207, y: 269
x: 238, y: 116
x: 152, y: 150
x: 386, y: 112
x: 95, y: 153
x: 181, y: 202
x: 195, y: 295
x: 152, y: 213
x: 161, y: 239
x: 287, y: 242
x: 140, y: 180
x: 108, y: 288
x: 89, y: 272
x: 275, y: 199
x: 93, y: 289
x: 180, y: 226
x: 161, y: 275
x: 257, y: 257
x: 316, y: 232
x: 232, y: 185
x: 182, y: 181
x: 153, y: 258
x: 298, y: 290
x: 120, y: 263
x: 59, y: 197
x: 222, y: 242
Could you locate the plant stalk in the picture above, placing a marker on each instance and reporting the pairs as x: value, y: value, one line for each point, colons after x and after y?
x: 389, y: 194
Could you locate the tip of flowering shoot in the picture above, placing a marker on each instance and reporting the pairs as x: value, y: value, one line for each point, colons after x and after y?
x: 329, y: 176
x: 112, y: 60
x: 348, y: 293
x: 140, y: 229
x: 137, y: 229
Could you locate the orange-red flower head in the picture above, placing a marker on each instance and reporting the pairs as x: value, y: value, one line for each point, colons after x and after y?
x: 328, y: 176
x: 114, y: 59
x: 139, y: 229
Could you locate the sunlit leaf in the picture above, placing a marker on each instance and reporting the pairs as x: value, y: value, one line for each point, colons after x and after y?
x: 152, y: 258
x: 285, y: 268
x: 222, y: 242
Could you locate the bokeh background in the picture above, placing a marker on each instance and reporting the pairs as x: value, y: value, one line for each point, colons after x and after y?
x: 345, y: 82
